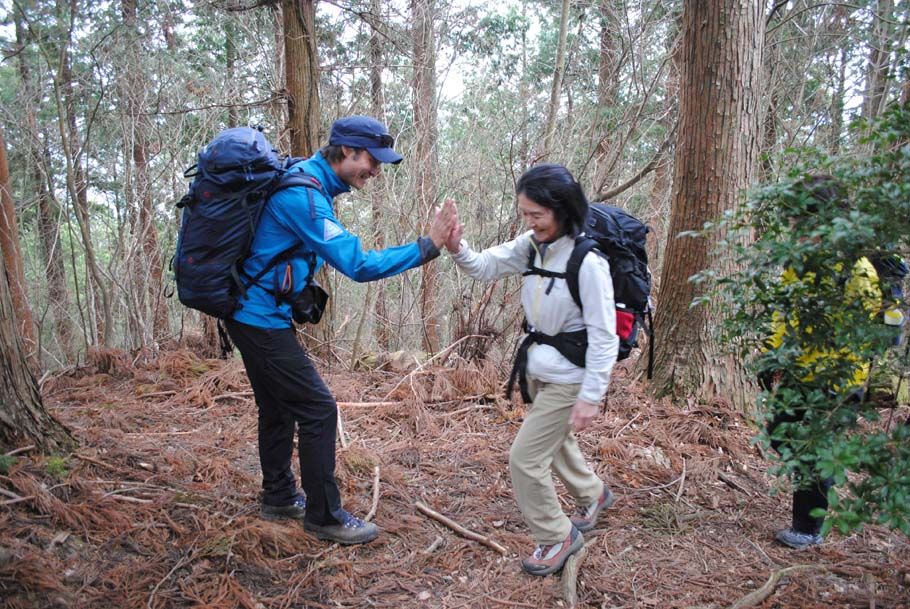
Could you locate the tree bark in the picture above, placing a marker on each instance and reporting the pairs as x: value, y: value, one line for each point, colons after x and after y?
x: 38, y: 156
x: 377, y: 107
x: 12, y: 260
x: 556, y: 87
x: 301, y: 72
x: 301, y: 75
x: 715, y: 159
x: 426, y: 178
x: 879, y: 59
x: 77, y: 185
x: 23, y: 417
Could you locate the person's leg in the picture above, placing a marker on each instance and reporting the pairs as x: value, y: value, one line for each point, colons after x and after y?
x: 590, y: 493
x: 570, y: 466
x: 806, y: 499
x: 545, y: 428
x: 296, y: 383
x: 276, y: 427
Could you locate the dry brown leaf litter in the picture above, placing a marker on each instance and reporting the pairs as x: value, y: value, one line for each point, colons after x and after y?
x: 158, y: 506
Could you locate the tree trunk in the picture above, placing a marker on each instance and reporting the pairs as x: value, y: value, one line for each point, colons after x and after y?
x: 38, y: 156
x: 879, y: 59
x: 136, y: 133
x: 23, y: 417
x: 12, y: 260
x: 558, y: 71
x: 76, y: 183
x: 301, y: 72
x: 426, y: 178
x: 230, y: 58
x: 715, y: 158
x: 377, y: 107
x: 301, y: 75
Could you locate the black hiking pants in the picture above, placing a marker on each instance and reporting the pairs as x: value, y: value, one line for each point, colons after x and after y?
x: 807, y: 494
x: 289, y: 392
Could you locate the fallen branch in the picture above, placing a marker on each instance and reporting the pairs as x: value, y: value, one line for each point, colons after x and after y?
x: 341, y: 435
x: 570, y: 578
x: 733, y: 483
x: 235, y: 394
x: 20, y: 450
x: 682, y: 481
x: 366, y: 404
x: 460, y: 529
x: 757, y: 596
x: 375, y: 505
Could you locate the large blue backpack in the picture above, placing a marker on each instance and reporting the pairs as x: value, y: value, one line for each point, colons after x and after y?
x: 233, y: 178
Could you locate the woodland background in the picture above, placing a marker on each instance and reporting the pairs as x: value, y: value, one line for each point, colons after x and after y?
x: 104, y: 104
x: 670, y: 109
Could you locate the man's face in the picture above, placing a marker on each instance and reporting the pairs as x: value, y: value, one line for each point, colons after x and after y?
x: 357, y: 167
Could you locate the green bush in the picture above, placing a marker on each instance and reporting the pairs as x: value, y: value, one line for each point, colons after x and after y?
x: 866, y: 453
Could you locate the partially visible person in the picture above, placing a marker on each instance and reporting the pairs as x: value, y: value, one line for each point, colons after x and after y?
x: 564, y: 362
x: 300, y: 230
x: 861, y: 290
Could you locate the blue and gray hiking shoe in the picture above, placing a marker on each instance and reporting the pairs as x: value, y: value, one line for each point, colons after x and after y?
x: 794, y: 539
x: 350, y: 531
x: 294, y: 511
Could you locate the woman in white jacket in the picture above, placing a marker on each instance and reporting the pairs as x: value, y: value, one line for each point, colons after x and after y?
x: 566, y: 396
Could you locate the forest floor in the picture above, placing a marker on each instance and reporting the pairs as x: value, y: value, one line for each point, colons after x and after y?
x: 158, y: 506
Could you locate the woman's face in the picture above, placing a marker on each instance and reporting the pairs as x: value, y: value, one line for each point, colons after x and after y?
x: 539, y: 219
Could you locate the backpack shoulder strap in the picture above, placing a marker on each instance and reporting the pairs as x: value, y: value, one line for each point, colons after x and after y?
x: 583, y: 245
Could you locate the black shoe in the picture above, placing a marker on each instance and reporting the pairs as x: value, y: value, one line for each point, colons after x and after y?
x: 294, y: 511
x: 349, y: 532
x: 794, y: 539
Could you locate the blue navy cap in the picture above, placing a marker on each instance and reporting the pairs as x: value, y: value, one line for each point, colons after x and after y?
x: 365, y: 132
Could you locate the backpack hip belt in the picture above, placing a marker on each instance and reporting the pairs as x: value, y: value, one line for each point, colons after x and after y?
x: 571, y: 345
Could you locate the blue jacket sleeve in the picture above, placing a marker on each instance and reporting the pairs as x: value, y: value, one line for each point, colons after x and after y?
x: 308, y: 214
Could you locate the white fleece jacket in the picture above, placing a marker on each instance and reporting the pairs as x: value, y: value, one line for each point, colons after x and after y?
x: 555, y: 312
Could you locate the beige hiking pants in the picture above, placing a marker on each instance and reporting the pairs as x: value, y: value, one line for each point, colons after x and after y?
x: 544, y: 444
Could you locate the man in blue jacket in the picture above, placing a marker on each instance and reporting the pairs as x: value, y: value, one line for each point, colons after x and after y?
x: 287, y: 387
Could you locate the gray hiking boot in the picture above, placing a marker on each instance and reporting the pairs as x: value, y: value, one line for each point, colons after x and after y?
x: 350, y: 531
x: 796, y: 540
x: 293, y: 511
x: 586, y: 515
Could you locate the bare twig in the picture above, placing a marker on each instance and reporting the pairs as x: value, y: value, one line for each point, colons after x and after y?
x: 20, y: 450
x: 460, y: 529
x: 433, y: 546
x: 375, y: 505
x: 733, y: 483
x: 570, y: 578
x: 757, y: 596
x: 682, y: 481
x: 341, y: 435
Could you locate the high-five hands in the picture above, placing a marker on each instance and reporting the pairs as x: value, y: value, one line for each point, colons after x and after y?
x: 444, y: 221
x: 453, y: 239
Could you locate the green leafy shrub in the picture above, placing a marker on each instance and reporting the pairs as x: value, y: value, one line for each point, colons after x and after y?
x: 783, y: 226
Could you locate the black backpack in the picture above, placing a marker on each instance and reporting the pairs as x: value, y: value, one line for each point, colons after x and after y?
x: 234, y: 177
x: 621, y: 238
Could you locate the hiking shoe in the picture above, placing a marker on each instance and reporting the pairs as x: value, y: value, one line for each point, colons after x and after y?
x: 350, y: 531
x: 795, y: 539
x: 586, y: 516
x: 295, y: 510
x: 550, y: 559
